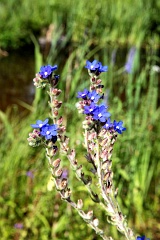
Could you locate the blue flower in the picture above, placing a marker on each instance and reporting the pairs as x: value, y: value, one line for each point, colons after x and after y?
x: 100, y: 113
x: 92, y: 65
x: 102, y: 68
x: 40, y: 124
x: 108, y: 124
x: 89, y: 109
x: 95, y: 67
x: 49, y: 131
x: 30, y: 174
x: 83, y: 94
x: 142, y: 238
x: 130, y: 60
x: 18, y: 225
x: 94, y: 96
x: 118, y: 126
x: 46, y: 71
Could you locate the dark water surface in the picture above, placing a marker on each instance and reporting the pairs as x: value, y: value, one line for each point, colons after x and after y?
x: 17, y: 71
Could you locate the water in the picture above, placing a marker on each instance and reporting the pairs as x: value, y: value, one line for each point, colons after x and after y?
x: 16, y: 73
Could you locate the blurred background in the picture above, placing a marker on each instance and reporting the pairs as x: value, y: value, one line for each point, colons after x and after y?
x: 125, y: 36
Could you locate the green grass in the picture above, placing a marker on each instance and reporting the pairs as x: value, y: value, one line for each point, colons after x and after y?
x: 84, y: 30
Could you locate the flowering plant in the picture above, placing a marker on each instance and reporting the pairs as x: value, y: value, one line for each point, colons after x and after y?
x: 100, y: 134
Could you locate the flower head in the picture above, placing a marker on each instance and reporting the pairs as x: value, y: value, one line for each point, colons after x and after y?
x: 18, y: 225
x: 46, y: 71
x: 102, y: 68
x: 49, y: 131
x: 108, y: 124
x: 89, y: 109
x: 142, y: 238
x: 30, y: 174
x: 40, y: 124
x: 92, y: 65
x: 95, y: 67
x: 94, y: 96
x: 83, y: 94
x: 100, y: 113
x: 118, y: 126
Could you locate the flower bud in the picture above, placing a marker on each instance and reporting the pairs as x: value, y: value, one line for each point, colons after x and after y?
x: 79, y: 170
x: 89, y: 215
x: 96, y: 222
x: 63, y: 184
x: 59, y: 121
x: 56, y: 163
x: 58, y: 173
x: 56, y: 103
x: 34, y: 139
x: 79, y: 204
x: 72, y: 155
x: 55, y: 113
x: 98, y: 81
x: 67, y: 193
x: 55, y: 92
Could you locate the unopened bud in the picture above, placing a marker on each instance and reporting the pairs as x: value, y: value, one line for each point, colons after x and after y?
x: 79, y: 170
x: 67, y: 193
x: 79, y: 204
x: 63, y: 184
x: 59, y: 121
x: 56, y: 163
x: 96, y: 222
x: 58, y: 173
x: 56, y: 103
x: 98, y: 81
x: 55, y: 92
x: 89, y: 215
x: 55, y: 113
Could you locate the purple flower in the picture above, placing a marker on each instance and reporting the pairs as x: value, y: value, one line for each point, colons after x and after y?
x: 83, y: 94
x: 64, y: 174
x: 118, y: 126
x: 49, y: 131
x: 102, y: 68
x: 95, y: 67
x: 46, y: 71
x: 92, y: 65
x: 89, y: 109
x: 100, y: 113
x: 130, y: 60
x: 30, y: 174
x: 108, y: 124
x: 18, y: 225
x: 40, y: 124
x: 142, y: 238
x: 94, y: 96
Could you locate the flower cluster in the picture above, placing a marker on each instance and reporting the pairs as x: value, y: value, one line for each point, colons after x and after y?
x: 46, y: 71
x: 49, y: 132
x: 95, y: 67
x: 100, y: 135
x: 99, y: 113
x: 45, y: 76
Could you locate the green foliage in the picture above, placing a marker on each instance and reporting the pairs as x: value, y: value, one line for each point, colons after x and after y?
x: 83, y: 30
x: 102, y: 21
